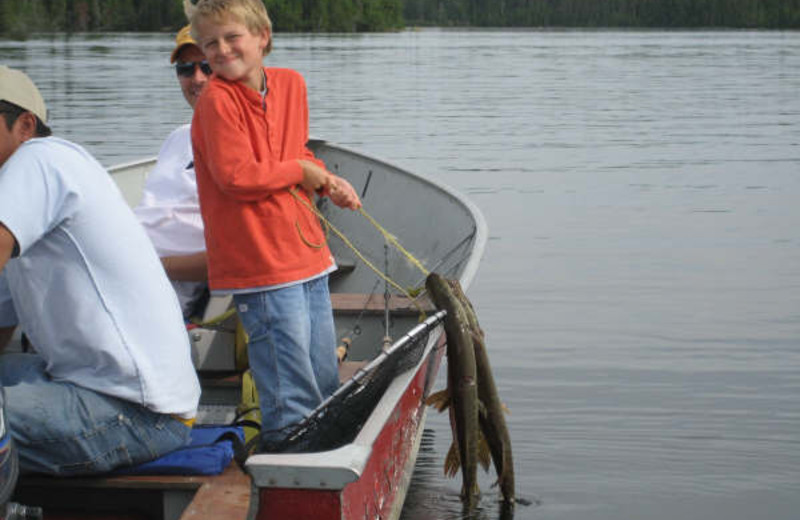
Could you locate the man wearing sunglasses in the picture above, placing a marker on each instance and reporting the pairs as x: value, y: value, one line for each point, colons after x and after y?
x: 169, y: 209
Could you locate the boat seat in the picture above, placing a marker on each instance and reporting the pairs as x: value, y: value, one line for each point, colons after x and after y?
x: 375, y: 303
x: 139, y: 497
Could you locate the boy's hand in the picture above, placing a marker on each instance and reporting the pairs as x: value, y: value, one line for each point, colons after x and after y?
x: 342, y: 194
x: 315, y: 178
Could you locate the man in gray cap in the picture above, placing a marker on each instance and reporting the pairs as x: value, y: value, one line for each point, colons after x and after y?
x: 111, y: 382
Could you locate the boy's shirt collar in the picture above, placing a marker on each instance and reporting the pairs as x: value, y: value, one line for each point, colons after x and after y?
x: 255, y: 98
x: 264, y: 91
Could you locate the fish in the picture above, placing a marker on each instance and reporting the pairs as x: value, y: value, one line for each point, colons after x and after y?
x: 452, y: 462
x: 461, y: 382
x: 492, y: 420
x: 493, y: 442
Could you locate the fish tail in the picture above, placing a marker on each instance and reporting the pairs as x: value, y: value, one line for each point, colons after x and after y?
x: 452, y: 462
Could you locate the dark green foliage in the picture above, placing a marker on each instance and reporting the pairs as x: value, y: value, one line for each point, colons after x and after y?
x: 772, y: 14
x: 21, y: 17
x: 335, y: 15
x: 285, y: 13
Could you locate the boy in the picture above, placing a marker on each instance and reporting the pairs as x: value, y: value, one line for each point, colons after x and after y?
x: 111, y: 383
x: 256, y: 179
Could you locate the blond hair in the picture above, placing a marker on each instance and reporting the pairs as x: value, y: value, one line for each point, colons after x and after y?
x: 250, y: 13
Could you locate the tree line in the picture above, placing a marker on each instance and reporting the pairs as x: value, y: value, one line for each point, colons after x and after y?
x: 772, y: 14
x: 22, y: 17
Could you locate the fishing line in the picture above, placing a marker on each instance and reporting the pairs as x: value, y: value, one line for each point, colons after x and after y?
x: 393, y: 240
x: 388, y: 236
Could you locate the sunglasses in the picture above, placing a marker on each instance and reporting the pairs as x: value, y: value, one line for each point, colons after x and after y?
x: 186, y: 68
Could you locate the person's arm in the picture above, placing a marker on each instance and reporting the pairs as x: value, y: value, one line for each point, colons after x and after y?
x: 7, y: 245
x: 319, y: 180
x: 315, y: 177
x: 186, y: 268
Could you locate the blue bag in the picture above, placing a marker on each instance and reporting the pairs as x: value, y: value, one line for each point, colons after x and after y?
x: 209, y: 452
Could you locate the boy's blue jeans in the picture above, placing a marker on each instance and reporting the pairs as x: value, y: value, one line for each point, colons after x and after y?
x: 63, y: 429
x: 292, y: 352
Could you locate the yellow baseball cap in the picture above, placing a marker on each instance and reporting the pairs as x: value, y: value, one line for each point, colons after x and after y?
x: 183, y: 38
x: 17, y: 88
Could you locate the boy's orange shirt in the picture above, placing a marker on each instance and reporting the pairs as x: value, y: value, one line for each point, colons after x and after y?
x: 245, y: 156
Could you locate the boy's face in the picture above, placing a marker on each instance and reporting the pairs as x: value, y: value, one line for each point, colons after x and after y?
x: 233, y: 52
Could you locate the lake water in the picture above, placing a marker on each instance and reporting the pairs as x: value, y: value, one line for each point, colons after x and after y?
x: 641, y: 287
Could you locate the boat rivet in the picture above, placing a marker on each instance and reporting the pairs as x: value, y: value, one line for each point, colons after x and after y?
x: 272, y: 482
x: 322, y: 483
x: 196, y: 336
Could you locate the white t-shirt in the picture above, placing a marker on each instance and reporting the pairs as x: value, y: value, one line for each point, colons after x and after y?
x: 170, y: 209
x: 87, y: 287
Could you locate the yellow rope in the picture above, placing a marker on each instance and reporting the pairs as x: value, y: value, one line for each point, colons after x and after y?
x: 360, y: 255
x: 215, y: 320
x: 304, y: 239
x: 392, y: 240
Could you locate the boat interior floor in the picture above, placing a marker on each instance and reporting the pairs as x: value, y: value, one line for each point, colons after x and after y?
x: 155, y: 497
x: 139, y: 497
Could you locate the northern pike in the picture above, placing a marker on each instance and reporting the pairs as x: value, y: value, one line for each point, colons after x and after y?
x: 491, y: 418
x: 461, y: 381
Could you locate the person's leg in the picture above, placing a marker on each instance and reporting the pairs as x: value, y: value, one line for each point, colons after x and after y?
x: 278, y: 330
x: 323, y: 337
x: 62, y: 429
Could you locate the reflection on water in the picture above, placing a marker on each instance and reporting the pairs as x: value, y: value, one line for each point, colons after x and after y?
x: 641, y: 287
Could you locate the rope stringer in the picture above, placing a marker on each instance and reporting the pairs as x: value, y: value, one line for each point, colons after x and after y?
x: 360, y: 255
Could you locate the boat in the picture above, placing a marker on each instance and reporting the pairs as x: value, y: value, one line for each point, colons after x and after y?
x: 366, y: 437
